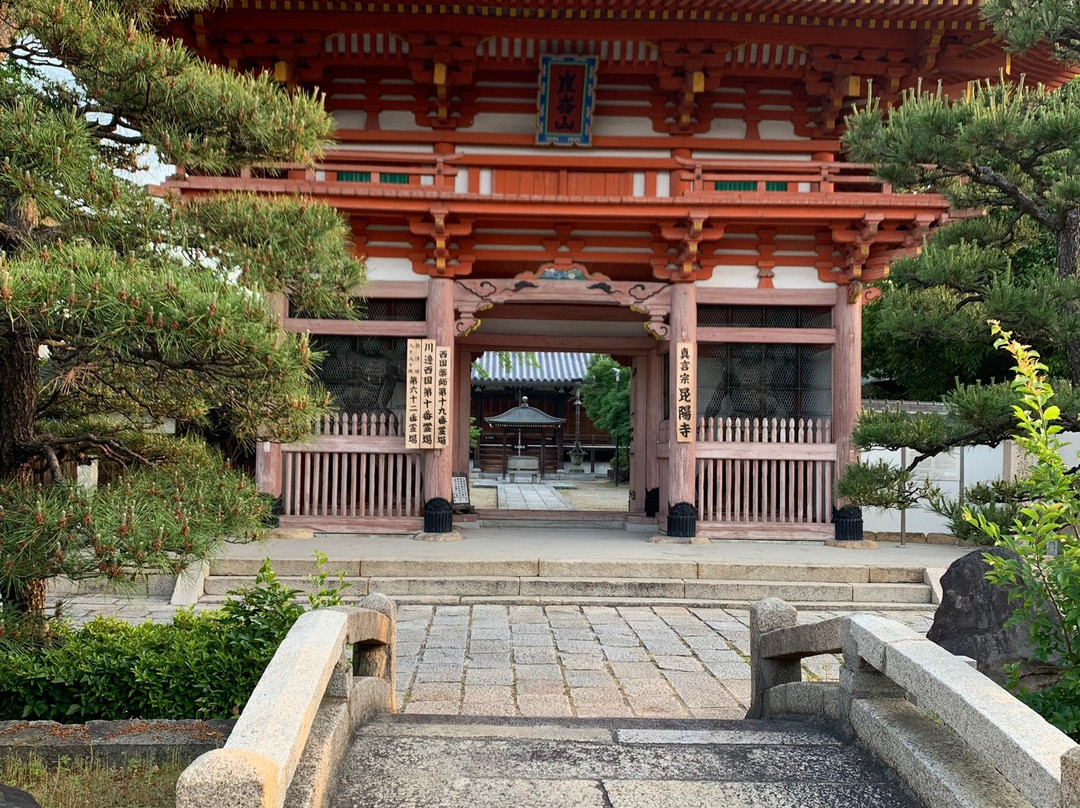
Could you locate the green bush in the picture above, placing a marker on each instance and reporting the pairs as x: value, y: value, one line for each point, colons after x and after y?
x: 199, y: 666
x: 1043, y: 583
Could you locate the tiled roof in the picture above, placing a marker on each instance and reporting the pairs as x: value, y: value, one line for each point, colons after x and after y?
x: 531, y: 368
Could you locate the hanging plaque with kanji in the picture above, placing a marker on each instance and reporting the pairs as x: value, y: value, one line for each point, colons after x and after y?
x: 685, y: 376
x: 566, y: 98
x: 427, y: 394
x: 412, y: 394
x: 442, y: 397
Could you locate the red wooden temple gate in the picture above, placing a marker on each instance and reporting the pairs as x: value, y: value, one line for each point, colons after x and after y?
x: 671, y: 176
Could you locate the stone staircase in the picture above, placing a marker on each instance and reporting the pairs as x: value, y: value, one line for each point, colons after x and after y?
x: 589, y: 582
x: 460, y: 762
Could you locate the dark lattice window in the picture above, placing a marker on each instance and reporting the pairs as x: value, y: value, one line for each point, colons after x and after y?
x: 764, y: 381
x: 764, y: 317
x: 411, y: 310
x: 407, y: 310
x: 363, y: 374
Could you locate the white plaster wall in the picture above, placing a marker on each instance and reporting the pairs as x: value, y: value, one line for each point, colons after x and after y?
x: 411, y: 148
x: 503, y: 123
x: 981, y: 464
x: 349, y: 118
x: 390, y: 269
x: 778, y: 130
x: 713, y: 154
x: 726, y: 128
x: 798, y: 278
x: 399, y: 120
x: 622, y: 126
x: 732, y: 277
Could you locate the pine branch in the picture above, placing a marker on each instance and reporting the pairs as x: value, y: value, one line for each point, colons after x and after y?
x: 988, y: 176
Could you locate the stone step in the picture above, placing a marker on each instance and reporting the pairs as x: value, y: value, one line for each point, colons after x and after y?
x: 453, y: 762
x: 648, y: 588
x: 577, y: 568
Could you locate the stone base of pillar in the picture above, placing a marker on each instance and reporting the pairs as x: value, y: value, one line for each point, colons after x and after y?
x: 660, y: 538
x: 453, y: 535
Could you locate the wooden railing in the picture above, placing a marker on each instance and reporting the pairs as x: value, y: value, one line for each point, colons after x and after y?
x: 497, y: 175
x: 772, y: 470
x: 355, y: 466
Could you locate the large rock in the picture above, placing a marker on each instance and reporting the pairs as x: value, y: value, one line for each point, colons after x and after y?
x: 970, y: 620
x: 15, y: 798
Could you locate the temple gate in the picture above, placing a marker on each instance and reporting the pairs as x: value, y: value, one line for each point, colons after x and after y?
x: 622, y: 177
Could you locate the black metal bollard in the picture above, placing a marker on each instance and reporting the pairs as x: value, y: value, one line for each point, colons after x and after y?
x: 438, y: 516
x: 847, y: 522
x: 682, y: 520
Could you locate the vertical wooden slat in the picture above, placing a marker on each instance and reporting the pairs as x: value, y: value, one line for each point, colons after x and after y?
x: 306, y: 505
x: 362, y: 486
x: 800, y: 491
x: 321, y: 479
x: 350, y: 486
x: 380, y: 483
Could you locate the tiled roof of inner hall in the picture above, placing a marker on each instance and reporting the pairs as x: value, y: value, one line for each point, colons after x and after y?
x: 530, y: 368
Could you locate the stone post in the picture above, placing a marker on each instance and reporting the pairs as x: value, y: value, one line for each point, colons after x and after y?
x: 765, y: 616
x: 1070, y: 778
x: 378, y: 659
x: 860, y: 680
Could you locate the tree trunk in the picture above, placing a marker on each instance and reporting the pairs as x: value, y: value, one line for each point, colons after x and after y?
x: 18, y: 402
x: 1067, y: 243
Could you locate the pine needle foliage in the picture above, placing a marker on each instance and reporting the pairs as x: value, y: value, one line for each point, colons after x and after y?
x: 121, y: 309
x: 1006, y: 153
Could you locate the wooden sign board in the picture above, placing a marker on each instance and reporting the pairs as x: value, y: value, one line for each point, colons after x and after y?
x: 441, y: 406
x: 412, y: 394
x: 685, y: 384
x: 460, y: 489
x: 566, y: 98
x: 427, y: 394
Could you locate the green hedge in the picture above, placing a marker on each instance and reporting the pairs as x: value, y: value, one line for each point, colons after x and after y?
x: 199, y: 666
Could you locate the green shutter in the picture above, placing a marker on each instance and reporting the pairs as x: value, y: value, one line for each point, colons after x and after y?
x: 748, y: 185
x: 354, y: 176
x: 736, y: 185
x: 394, y: 179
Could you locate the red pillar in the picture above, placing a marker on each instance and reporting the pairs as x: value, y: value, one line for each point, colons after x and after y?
x: 682, y: 458
x: 462, y: 411
x: 268, y: 459
x: 268, y: 467
x: 639, y: 415
x: 438, y: 463
x: 654, y: 413
x: 846, y: 374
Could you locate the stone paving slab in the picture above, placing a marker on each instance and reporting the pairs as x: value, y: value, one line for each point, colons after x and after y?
x: 658, y: 661
x: 473, y: 763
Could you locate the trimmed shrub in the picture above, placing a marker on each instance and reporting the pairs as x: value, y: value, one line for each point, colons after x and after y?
x: 199, y: 666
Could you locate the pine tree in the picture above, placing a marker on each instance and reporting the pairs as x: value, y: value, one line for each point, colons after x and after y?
x: 1011, y: 151
x: 121, y: 310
